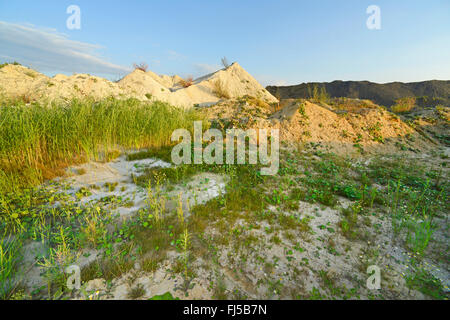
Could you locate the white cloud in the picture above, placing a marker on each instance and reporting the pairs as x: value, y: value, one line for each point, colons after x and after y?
x: 47, y: 50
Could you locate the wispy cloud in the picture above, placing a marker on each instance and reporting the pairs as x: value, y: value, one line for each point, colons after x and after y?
x: 48, y: 50
x: 266, y: 80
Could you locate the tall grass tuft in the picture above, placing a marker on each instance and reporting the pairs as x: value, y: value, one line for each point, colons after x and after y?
x: 9, y: 260
x: 220, y: 90
x: 37, y: 141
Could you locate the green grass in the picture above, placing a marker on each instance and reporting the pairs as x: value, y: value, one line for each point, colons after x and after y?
x: 15, y: 63
x: 9, y: 259
x: 403, y: 105
x: 426, y: 283
x: 165, y: 296
x: 48, y: 138
x: 38, y: 141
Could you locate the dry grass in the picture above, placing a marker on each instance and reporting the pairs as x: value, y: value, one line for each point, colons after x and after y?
x: 185, y: 83
x: 141, y: 66
x: 219, y: 89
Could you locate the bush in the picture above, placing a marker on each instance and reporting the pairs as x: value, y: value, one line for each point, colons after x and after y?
x: 15, y: 63
x: 225, y: 62
x: 404, y: 105
x: 142, y: 66
x: 317, y: 94
x: 185, y: 83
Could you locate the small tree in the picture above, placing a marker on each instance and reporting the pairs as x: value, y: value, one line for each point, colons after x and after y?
x: 318, y: 94
x: 189, y: 81
x: 225, y: 62
x: 141, y: 66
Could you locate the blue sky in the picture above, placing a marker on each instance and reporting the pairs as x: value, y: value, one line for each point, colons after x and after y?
x: 278, y: 42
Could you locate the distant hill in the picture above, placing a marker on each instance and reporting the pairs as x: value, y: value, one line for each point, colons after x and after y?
x: 429, y: 93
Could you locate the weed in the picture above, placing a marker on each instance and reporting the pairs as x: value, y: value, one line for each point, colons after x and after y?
x: 111, y: 186
x: 185, y: 244
x: 58, y: 260
x: 426, y: 283
x: 419, y: 235
x: 349, y: 220
x: 375, y: 132
x: 156, y: 202
x: 180, y: 210
x: 136, y: 292
x: 404, y: 105
x: 10, y: 258
x: 220, y: 90
x: 219, y: 290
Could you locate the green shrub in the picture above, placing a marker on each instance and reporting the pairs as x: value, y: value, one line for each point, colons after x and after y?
x: 404, y: 105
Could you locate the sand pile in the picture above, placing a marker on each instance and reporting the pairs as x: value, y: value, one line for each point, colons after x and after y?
x: 79, y: 85
x: 232, y: 82
x: 371, y: 128
x: 147, y: 85
x: 20, y: 82
x: 368, y: 129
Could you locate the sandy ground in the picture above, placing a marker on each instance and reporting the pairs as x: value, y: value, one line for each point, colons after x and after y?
x: 295, y: 269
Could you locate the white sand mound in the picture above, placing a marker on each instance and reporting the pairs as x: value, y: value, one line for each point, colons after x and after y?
x: 147, y: 85
x: 369, y: 128
x: 19, y: 81
x: 79, y: 85
x: 233, y: 82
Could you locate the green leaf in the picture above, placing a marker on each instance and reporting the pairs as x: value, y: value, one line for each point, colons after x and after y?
x: 165, y: 296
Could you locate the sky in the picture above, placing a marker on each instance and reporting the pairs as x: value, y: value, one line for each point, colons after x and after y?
x: 281, y: 42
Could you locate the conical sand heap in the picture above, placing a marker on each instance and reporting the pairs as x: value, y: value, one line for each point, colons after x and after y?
x: 20, y: 82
